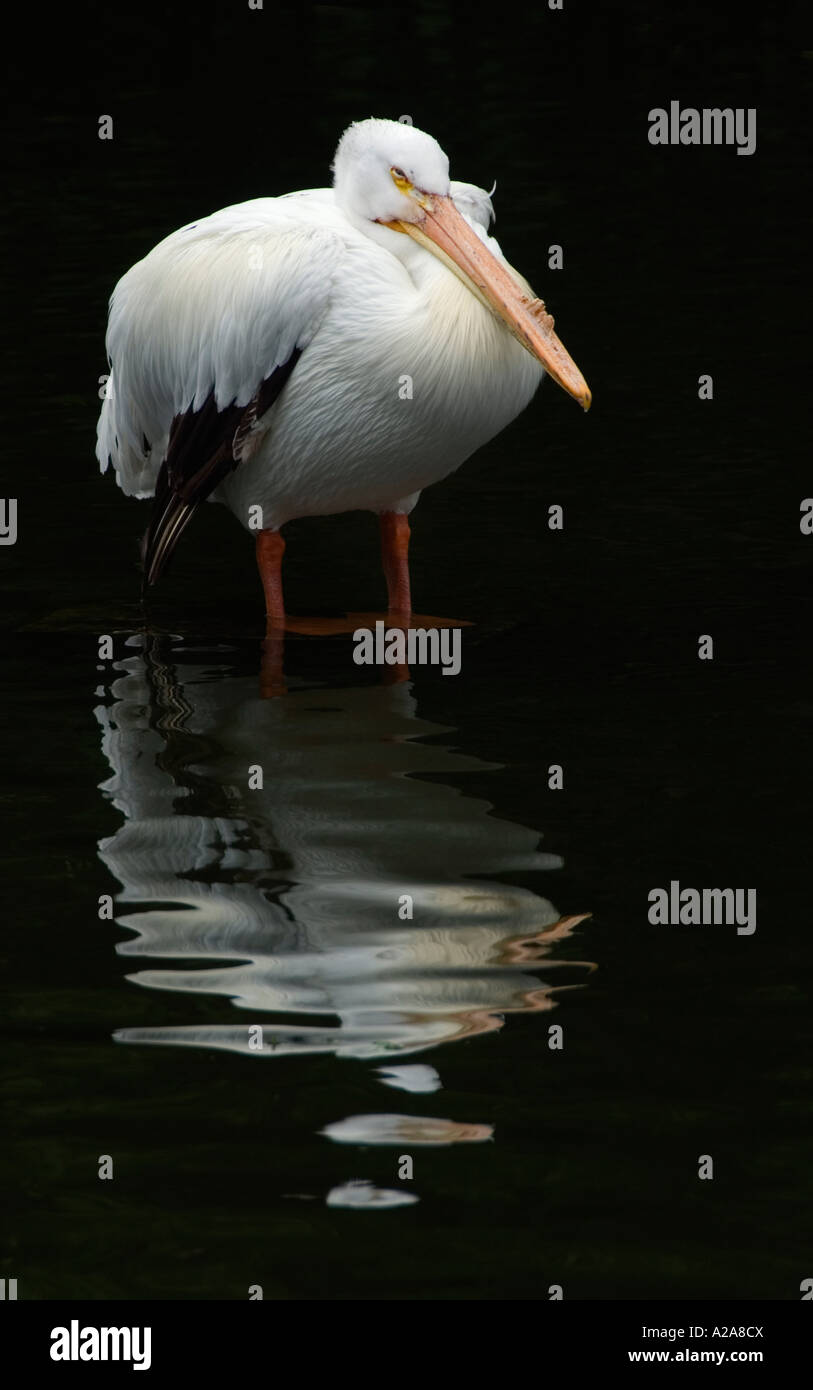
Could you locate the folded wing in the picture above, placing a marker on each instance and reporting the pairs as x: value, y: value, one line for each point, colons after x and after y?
x: 203, y: 336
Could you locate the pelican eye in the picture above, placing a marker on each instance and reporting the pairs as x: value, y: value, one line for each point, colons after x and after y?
x: 400, y: 179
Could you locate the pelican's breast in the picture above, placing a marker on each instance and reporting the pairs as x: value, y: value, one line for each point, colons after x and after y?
x: 400, y: 385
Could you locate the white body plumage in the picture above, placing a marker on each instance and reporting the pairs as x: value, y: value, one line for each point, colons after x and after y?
x: 404, y: 373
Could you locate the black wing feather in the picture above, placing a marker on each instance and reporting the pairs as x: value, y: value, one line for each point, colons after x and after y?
x: 204, y: 446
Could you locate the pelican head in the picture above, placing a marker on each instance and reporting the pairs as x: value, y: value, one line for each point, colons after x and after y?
x: 393, y: 175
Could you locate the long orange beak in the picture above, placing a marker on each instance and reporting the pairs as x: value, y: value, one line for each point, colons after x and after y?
x: 449, y: 237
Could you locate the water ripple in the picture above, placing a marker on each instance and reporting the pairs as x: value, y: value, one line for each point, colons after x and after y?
x: 346, y: 887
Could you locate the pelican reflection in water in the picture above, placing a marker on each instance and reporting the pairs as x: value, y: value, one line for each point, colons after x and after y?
x: 293, y: 898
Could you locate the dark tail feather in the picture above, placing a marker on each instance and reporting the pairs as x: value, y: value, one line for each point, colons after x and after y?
x: 204, y: 446
x: 162, y: 536
x: 177, y: 501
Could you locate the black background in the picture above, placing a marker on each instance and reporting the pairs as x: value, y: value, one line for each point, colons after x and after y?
x: 682, y: 518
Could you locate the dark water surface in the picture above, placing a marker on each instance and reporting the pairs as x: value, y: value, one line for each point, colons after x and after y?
x: 280, y: 906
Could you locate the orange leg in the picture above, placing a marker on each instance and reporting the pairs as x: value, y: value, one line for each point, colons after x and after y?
x: 270, y: 550
x: 395, y: 558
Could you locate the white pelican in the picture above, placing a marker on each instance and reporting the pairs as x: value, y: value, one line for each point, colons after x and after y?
x: 325, y: 351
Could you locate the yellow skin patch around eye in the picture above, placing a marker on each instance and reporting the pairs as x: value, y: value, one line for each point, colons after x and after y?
x: 403, y: 185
